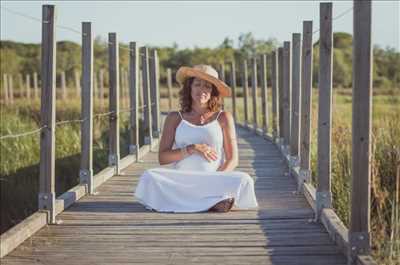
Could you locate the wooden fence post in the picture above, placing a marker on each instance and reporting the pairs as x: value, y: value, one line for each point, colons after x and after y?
x: 10, y: 89
x: 95, y: 85
x: 169, y: 85
x: 287, y: 87
x: 280, y: 94
x: 48, y: 114
x: 233, y: 87
x: 306, y: 102
x: 5, y: 88
x: 63, y: 86
x: 155, y: 93
x: 21, y: 85
x: 245, y: 85
x: 146, y: 96
x: 359, y: 232
x: 254, y: 85
x: 264, y: 93
x: 296, y: 109
x: 35, y: 85
x: 113, y: 62
x: 28, y: 86
x: 101, y: 88
x: 222, y: 72
x: 77, y: 79
x: 86, y: 171
x: 275, y: 100
x: 323, y: 195
x: 134, y: 99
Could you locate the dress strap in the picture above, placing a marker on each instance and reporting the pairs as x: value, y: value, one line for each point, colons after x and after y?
x: 180, y: 115
x: 218, y: 114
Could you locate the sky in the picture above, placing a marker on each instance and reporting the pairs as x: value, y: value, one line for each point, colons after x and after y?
x: 191, y: 24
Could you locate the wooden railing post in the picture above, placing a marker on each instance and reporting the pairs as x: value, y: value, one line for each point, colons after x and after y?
x: 146, y: 96
x: 113, y: 62
x: 359, y: 232
x: 21, y: 85
x: 222, y: 72
x: 295, y: 112
x: 306, y: 102
x: 155, y: 93
x: 11, y: 88
x: 254, y: 91
x: 134, y: 99
x: 77, y: 79
x: 323, y: 195
x: 280, y: 93
x: 264, y: 93
x: 63, y: 86
x: 287, y: 87
x: 275, y: 100
x: 86, y: 170
x: 169, y: 85
x: 5, y: 88
x: 95, y: 92
x: 101, y: 87
x: 48, y: 114
x: 35, y: 85
x: 233, y: 88
x: 28, y: 86
x: 245, y: 85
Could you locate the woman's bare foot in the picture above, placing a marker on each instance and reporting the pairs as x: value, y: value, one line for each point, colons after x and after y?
x: 223, y: 206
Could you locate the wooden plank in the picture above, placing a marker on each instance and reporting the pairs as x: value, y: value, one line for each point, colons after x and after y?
x: 359, y: 233
x: 113, y: 62
x: 324, y: 196
x: 306, y: 101
x: 295, y: 99
x: 86, y: 167
x: 48, y: 114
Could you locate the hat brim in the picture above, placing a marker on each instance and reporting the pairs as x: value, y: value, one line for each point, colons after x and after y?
x: 185, y: 72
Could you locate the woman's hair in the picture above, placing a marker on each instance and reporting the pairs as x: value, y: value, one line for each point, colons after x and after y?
x: 185, y: 97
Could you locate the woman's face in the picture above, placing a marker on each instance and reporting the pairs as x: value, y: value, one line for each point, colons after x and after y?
x: 201, y: 90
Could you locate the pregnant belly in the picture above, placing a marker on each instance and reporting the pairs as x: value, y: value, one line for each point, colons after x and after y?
x: 198, y: 163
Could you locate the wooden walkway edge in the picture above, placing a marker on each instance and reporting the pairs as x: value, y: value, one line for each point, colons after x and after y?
x: 111, y: 227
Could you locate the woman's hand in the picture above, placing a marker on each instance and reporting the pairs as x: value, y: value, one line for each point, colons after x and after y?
x: 204, y: 150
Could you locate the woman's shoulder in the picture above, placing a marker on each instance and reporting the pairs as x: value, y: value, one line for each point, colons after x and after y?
x: 225, y: 117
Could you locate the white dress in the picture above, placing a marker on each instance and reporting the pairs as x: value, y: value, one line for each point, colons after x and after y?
x: 193, y: 184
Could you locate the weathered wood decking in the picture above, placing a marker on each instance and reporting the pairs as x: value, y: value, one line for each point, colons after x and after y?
x: 112, y: 228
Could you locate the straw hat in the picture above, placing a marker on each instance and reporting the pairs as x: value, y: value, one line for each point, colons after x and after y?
x: 205, y: 72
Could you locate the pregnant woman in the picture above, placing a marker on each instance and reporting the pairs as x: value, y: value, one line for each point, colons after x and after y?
x: 199, y: 141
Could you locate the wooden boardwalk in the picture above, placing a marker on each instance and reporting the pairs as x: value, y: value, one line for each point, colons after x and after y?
x: 111, y: 227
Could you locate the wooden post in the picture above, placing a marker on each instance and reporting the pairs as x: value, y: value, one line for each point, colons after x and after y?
x: 77, y: 83
x: 287, y: 87
x: 48, y: 114
x: 254, y: 91
x: 296, y: 81
x: 323, y: 195
x: 5, y: 88
x: 245, y: 85
x: 134, y: 99
x: 306, y: 101
x: 275, y: 99
x: 95, y: 92
x: 35, y: 85
x: 113, y: 62
x: 222, y: 72
x: 122, y: 86
x: 359, y: 232
x: 28, y: 86
x: 10, y: 89
x: 233, y: 87
x: 155, y: 93
x: 146, y: 95
x: 21, y: 85
x: 63, y: 86
x: 280, y: 93
x: 169, y: 85
x: 264, y: 93
x: 86, y: 170
x: 101, y: 88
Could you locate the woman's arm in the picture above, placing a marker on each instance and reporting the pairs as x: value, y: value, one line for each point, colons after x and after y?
x: 230, y: 142
x: 166, y: 154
